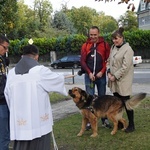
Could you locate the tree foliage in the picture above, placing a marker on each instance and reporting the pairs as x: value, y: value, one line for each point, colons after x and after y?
x: 62, y: 22
x: 43, y: 10
x: 18, y: 20
x: 26, y: 23
x: 8, y: 16
x: 128, y: 21
x: 81, y: 18
x: 105, y: 23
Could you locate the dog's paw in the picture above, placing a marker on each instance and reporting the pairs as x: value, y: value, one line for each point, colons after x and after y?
x: 113, y: 132
x: 79, y: 134
x: 94, y: 135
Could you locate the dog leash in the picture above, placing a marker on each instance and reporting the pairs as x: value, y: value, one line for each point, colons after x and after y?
x: 54, y: 141
x: 94, y: 67
x: 94, y: 59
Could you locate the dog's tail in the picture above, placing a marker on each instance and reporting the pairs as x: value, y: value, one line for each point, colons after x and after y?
x: 134, y: 101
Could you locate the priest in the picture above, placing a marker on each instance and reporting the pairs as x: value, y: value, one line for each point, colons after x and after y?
x: 27, y: 95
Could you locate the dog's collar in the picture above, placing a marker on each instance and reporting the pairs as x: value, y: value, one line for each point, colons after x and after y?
x: 90, y: 107
x: 78, y: 103
x: 81, y: 101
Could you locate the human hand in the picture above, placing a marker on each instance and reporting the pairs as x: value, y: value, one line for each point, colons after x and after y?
x: 111, y: 77
x: 99, y: 75
x: 92, y: 77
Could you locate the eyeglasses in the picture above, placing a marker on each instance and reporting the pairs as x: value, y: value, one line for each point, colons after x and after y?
x: 6, y: 48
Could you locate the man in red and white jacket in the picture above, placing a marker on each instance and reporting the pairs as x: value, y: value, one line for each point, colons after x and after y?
x: 94, y: 55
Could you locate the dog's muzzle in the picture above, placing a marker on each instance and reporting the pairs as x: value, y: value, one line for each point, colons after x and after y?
x: 71, y: 94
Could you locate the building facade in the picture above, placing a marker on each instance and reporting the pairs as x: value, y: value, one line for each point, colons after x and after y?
x: 143, y: 15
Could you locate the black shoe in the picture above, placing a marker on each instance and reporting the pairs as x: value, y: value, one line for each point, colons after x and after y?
x: 88, y: 127
x: 129, y: 129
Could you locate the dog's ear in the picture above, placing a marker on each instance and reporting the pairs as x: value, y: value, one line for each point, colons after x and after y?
x: 83, y: 95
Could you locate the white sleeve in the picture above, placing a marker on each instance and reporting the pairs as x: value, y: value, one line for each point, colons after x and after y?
x: 52, y: 82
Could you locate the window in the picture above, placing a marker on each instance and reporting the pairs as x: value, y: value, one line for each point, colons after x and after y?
x: 143, y: 5
x: 144, y: 21
x: 148, y: 5
x: 64, y: 59
x: 70, y: 58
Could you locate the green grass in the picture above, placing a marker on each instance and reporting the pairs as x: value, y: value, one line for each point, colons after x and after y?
x: 65, y: 132
x: 56, y: 97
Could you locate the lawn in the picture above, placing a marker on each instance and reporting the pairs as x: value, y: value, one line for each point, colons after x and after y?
x: 56, y: 97
x: 65, y: 132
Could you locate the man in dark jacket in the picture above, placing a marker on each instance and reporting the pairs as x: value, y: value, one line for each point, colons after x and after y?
x: 94, y: 55
x: 4, y: 113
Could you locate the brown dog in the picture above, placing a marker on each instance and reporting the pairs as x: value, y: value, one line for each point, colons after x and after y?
x: 94, y: 107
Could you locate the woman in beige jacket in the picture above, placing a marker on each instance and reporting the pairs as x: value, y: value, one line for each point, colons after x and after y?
x: 121, y: 71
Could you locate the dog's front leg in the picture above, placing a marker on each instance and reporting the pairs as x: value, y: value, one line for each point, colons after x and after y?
x: 83, y: 126
x: 94, y: 122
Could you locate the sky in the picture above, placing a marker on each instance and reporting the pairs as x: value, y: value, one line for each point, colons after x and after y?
x: 112, y: 8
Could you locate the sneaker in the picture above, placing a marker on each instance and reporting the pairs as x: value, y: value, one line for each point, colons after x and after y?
x: 88, y: 127
x: 106, y: 124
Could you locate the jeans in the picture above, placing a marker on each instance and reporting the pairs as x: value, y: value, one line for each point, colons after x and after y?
x: 100, y: 83
x: 4, y: 128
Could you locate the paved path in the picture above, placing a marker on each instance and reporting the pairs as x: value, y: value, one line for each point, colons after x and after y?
x: 66, y: 108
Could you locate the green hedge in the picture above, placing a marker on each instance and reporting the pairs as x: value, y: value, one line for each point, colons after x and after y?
x: 139, y: 41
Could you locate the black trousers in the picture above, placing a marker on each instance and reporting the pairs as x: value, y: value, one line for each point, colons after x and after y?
x: 42, y: 143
